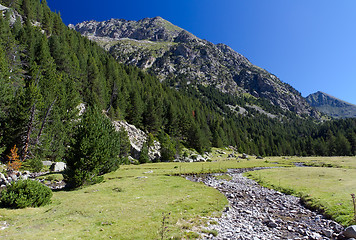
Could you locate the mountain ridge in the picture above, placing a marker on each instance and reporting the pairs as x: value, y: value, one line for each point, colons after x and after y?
x: 172, y: 53
x: 331, y: 105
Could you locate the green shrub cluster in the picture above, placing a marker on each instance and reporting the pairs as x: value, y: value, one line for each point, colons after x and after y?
x: 25, y: 193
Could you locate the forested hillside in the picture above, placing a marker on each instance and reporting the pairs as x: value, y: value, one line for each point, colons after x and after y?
x: 47, y: 70
x: 174, y: 54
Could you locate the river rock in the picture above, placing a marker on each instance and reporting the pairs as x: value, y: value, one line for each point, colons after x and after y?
x: 261, y: 213
x: 350, y: 232
x: 200, y: 158
x: 58, y: 166
x: 47, y: 163
x: 2, y: 177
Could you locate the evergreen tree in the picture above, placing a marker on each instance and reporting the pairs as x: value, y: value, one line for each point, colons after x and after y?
x: 167, y: 147
x: 95, y: 150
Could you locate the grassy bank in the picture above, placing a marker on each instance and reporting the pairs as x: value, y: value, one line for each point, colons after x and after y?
x: 327, y: 189
x: 129, y: 204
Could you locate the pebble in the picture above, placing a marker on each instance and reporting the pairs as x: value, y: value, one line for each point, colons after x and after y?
x: 264, y: 214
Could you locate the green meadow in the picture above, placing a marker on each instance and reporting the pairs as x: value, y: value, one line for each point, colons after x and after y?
x: 153, y: 201
x: 323, y: 188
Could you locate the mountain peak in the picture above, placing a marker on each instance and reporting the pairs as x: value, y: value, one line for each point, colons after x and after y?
x: 153, y: 29
x: 168, y: 51
x: 331, y: 105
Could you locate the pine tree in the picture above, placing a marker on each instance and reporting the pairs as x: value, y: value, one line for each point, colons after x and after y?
x: 95, y: 150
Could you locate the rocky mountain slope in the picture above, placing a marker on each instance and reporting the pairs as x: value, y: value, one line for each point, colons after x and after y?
x: 174, y: 54
x: 332, y: 106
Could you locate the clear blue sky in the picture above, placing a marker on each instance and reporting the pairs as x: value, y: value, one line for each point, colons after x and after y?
x: 310, y: 44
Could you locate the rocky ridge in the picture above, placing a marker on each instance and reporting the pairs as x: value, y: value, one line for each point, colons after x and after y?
x: 331, y: 106
x: 170, y: 52
x: 256, y: 212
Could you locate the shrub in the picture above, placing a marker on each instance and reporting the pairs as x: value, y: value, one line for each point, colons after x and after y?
x: 14, y: 163
x: 25, y: 193
x: 35, y: 164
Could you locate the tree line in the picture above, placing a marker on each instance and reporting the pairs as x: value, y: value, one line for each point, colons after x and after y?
x: 47, y: 70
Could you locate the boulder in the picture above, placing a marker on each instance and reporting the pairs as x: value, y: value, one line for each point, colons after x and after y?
x: 2, y: 177
x: 24, y: 177
x: 58, y: 167
x: 350, y: 232
x: 13, y: 177
x: 47, y: 163
x: 244, y: 156
x: 200, y: 158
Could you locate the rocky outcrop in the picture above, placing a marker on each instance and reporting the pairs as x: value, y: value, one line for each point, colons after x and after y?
x: 154, y: 29
x: 13, y: 14
x: 331, y: 106
x: 168, y: 51
x: 137, y: 138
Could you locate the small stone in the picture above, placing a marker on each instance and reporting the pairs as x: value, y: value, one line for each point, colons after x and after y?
x: 350, y: 232
x: 141, y: 177
x: 315, y: 236
x: 272, y: 224
x: 327, y: 233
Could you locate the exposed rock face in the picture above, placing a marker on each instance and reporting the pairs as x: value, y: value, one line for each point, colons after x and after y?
x: 13, y: 14
x: 154, y: 29
x: 169, y: 52
x: 332, y: 106
x: 137, y: 138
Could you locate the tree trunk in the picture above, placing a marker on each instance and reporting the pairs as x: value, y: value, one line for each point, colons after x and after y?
x: 44, y: 121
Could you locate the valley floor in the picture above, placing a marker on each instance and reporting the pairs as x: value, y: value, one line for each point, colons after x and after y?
x: 154, y: 201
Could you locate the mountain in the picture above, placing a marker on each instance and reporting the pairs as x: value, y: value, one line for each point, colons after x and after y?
x: 331, y: 106
x: 173, y: 54
x: 47, y: 70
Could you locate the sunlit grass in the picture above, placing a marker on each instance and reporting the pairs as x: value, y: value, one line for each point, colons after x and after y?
x: 128, y: 205
x: 130, y: 202
x: 327, y: 189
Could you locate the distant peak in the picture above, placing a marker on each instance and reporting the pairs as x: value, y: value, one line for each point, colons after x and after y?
x: 153, y: 29
x: 158, y: 18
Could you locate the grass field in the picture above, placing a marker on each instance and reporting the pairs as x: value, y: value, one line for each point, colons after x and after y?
x: 327, y: 189
x: 131, y: 202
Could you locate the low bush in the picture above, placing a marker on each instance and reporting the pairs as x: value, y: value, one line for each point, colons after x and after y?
x: 25, y: 193
x: 35, y: 164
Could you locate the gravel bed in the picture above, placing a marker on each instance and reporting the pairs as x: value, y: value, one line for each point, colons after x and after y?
x: 259, y: 213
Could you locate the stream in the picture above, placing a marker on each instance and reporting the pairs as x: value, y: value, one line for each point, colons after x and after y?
x: 258, y: 213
